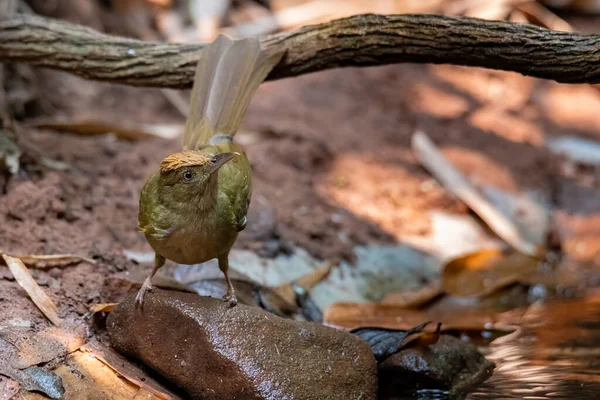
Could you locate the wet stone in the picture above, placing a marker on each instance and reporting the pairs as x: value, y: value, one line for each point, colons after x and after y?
x: 450, y: 364
x: 214, y: 352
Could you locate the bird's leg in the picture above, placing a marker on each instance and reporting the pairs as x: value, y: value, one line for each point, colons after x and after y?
x: 224, y: 267
x: 159, y: 261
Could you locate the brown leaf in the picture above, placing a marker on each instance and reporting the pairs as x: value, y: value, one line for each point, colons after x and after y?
x: 454, y: 181
x: 127, y: 370
x: 103, y: 307
x: 286, y: 291
x: 486, y: 271
x: 356, y: 315
x: 43, y: 261
x: 414, y: 298
x: 385, y: 342
x: 100, y: 125
x: 540, y: 15
x: 33, y: 348
x: 425, y: 338
x: 37, y: 295
x: 84, y: 377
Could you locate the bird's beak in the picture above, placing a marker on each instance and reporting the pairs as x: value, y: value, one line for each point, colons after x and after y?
x: 221, y: 159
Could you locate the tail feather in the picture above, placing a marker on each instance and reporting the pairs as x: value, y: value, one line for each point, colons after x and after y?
x: 228, y: 74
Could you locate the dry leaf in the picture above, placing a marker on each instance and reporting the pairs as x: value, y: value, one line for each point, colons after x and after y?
x: 33, y: 348
x: 103, y: 307
x: 454, y: 181
x: 414, y: 298
x: 306, y: 282
x: 540, y: 15
x: 85, y: 377
x: 355, y: 315
x: 486, y: 271
x: 127, y: 370
x: 37, y: 295
x: 44, y: 261
x: 385, y: 342
x: 98, y: 125
x: 425, y: 338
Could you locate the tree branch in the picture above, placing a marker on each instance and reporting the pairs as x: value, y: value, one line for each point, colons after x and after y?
x: 362, y: 40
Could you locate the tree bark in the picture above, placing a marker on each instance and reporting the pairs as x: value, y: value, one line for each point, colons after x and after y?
x: 362, y: 40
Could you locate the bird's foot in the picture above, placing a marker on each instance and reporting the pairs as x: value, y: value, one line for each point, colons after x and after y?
x: 139, y: 298
x: 230, y: 299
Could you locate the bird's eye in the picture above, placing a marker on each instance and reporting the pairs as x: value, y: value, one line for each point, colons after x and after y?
x: 188, y: 175
x: 213, y: 160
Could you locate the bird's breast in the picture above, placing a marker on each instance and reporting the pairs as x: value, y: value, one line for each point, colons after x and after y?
x: 196, y: 241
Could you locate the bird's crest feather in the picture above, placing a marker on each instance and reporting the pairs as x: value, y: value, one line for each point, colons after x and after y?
x: 188, y: 158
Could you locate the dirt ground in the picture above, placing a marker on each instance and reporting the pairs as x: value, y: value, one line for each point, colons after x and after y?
x: 332, y: 167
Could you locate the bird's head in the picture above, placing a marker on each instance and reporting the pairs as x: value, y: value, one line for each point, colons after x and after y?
x: 189, y: 173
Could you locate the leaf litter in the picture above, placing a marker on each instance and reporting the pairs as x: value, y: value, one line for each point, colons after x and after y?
x: 419, y: 299
x: 35, y: 292
x: 46, y: 261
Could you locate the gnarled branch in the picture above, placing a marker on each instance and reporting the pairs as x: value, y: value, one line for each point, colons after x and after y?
x: 362, y: 40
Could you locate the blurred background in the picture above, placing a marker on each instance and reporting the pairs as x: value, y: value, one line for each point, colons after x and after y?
x: 339, y: 178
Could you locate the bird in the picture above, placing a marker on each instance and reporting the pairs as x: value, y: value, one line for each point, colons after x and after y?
x: 192, y: 209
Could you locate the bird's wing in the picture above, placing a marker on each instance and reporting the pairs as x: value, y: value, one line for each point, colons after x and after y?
x: 149, y: 217
x: 235, y: 181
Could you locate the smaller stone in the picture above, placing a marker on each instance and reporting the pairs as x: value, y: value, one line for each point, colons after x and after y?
x: 449, y: 364
x: 216, y: 352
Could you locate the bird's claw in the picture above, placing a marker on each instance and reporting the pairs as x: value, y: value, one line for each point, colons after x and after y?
x: 230, y: 299
x: 139, y: 298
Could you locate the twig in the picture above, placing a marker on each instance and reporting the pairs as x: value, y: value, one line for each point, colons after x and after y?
x: 362, y: 40
x: 457, y: 183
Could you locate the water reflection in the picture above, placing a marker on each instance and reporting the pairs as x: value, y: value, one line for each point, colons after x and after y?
x: 553, y: 356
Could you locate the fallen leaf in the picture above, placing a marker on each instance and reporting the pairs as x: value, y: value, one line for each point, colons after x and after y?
x: 454, y: 181
x: 29, y: 378
x: 415, y: 298
x: 103, y: 307
x: 541, y: 16
x: 37, y: 295
x: 40, y: 347
x: 85, y: 377
x: 287, y: 291
x: 100, y: 125
x: 127, y: 370
x: 486, y: 271
x: 385, y: 342
x: 424, y: 338
x: 47, y: 382
x: 43, y: 261
x: 356, y: 315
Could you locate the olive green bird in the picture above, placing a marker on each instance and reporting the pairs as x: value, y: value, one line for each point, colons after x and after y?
x: 193, y: 208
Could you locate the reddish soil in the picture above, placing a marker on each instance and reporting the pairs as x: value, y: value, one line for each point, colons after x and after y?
x: 332, y: 165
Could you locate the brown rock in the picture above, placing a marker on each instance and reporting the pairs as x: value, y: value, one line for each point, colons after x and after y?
x: 449, y: 364
x: 214, y: 352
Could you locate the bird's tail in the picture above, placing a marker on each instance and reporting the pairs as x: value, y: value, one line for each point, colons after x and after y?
x: 228, y: 74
